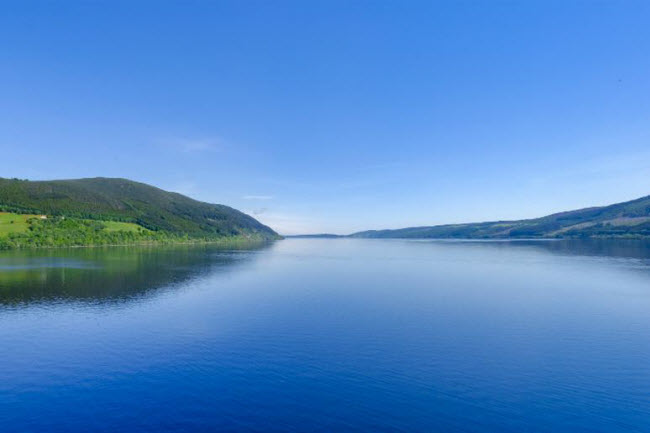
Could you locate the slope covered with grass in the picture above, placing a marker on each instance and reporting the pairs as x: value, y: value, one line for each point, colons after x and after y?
x: 14, y: 223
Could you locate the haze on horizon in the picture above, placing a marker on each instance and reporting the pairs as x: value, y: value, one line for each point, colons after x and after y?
x: 336, y: 116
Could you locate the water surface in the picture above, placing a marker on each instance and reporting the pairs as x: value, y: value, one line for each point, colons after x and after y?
x: 328, y: 335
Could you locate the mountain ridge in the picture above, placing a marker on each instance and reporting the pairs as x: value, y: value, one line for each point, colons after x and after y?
x: 126, y: 201
x: 630, y: 219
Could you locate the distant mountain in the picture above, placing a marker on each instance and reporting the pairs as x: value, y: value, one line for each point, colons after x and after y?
x: 623, y: 220
x: 317, y: 236
x: 123, y: 200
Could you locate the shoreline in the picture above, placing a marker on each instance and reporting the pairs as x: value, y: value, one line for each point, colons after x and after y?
x: 151, y: 244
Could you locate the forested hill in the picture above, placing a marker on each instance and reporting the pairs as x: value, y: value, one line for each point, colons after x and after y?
x: 123, y: 200
x: 623, y: 220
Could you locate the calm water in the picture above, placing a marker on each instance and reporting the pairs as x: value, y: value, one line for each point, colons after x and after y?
x: 328, y: 336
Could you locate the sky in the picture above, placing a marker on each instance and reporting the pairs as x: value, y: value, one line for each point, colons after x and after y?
x: 328, y: 116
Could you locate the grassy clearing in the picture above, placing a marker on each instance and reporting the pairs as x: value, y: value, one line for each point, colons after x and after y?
x: 19, y: 223
x: 14, y: 223
x: 116, y: 226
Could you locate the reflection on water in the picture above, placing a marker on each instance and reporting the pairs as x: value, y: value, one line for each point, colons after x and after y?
x: 337, y: 335
x: 110, y: 273
x: 611, y: 248
x: 628, y: 249
x: 122, y: 273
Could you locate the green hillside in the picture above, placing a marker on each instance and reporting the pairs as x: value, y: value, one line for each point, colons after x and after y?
x: 103, y: 210
x: 623, y: 220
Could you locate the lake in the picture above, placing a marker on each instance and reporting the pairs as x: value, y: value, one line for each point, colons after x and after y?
x: 328, y: 335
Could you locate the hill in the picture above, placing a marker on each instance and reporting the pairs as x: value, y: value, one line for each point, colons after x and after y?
x: 623, y: 220
x: 78, y: 204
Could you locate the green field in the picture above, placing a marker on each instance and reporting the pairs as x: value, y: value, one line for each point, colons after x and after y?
x: 20, y: 223
x: 14, y: 223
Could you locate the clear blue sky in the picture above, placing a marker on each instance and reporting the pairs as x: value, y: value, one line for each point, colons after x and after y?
x: 335, y: 116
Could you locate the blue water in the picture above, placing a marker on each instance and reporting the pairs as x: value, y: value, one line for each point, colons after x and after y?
x: 337, y: 335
